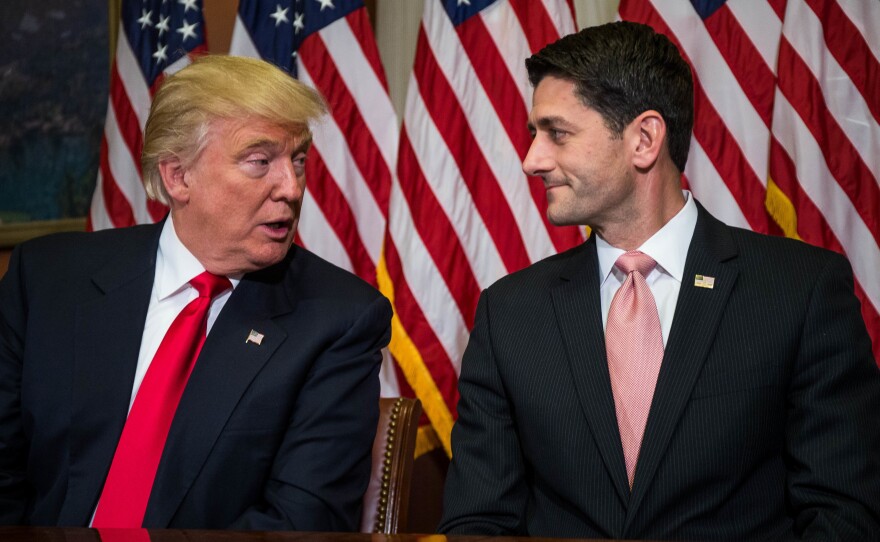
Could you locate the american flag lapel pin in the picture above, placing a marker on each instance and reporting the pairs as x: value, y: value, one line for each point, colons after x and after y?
x: 254, y: 337
x: 702, y: 281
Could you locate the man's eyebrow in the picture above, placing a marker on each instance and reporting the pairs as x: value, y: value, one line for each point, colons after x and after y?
x: 260, y: 143
x: 273, y: 145
x: 549, y: 121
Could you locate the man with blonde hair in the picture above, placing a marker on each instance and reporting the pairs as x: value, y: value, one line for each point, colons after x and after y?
x: 116, y: 410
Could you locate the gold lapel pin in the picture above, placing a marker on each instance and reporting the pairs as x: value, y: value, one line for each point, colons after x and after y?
x: 254, y: 337
x: 702, y: 281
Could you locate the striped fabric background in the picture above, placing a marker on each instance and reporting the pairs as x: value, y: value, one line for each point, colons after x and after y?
x: 787, y: 131
x: 330, y: 45
x: 462, y: 213
x: 155, y: 38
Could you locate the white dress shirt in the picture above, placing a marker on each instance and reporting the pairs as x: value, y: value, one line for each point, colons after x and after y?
x: 669, y: 248
x: 175, y: 267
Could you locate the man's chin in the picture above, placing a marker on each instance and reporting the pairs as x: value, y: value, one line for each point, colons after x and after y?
x: 270, y: 255
x: 562, y: 219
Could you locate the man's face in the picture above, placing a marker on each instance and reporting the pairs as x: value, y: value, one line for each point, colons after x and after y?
x: 583, y: 165
x: 243, y: 196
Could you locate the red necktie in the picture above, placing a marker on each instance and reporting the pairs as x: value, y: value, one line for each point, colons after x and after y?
x: 127, y: 489
x: 634, y: 344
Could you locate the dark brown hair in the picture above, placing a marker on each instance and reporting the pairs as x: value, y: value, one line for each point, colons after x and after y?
x: 621, y: 70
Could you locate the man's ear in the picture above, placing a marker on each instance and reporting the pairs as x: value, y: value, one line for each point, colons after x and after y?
x: 175, y: 180
x: 651, y: 130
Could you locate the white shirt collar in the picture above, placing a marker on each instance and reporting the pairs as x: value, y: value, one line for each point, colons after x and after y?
x: 668, y: 246
x: 175, y: 264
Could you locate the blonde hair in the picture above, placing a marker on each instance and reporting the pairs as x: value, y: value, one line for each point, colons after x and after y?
x: 217, y: 87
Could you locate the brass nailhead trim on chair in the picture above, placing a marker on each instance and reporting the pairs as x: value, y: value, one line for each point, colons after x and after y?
x: 386, y: 468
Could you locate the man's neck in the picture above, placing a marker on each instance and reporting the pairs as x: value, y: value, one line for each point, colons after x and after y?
x: 652, y: 209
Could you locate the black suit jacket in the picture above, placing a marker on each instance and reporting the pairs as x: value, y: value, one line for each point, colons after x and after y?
x: 763, y: 423
x: 269, y: 436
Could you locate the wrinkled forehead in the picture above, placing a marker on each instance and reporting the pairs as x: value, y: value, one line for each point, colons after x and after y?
x: 251, y: 131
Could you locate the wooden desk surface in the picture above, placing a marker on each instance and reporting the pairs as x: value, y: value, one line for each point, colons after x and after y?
x: 53, y: 534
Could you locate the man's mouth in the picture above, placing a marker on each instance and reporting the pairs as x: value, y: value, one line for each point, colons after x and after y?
x: 278, y: 228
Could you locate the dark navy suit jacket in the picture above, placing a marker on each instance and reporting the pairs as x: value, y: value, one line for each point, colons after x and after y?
x: 270, y: 436
x: 763, y: 424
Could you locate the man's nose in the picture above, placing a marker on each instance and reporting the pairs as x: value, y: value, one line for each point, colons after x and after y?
x: 289, y: 183
x: 538, y: 160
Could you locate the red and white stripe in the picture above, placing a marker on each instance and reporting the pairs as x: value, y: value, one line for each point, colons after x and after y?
x: 462, y: 213
x: 733, y: 91
x: 354, y: 150
x: 826, y: 130
x: 351, y: 162
x: 785, y: 92
x: 119, y: 199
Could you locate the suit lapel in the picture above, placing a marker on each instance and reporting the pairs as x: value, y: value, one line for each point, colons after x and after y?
x: 698, y: 313
x: 109, y: 327
x: 578, y: 310
x: 224, y: 370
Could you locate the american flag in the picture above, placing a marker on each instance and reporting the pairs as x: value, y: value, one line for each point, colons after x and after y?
x: 463, y: 213
x: 329, y: 45
x: 787, y: 129
x: 156, y: 38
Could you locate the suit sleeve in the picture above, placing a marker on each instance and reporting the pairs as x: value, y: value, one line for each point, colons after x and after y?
x: 833, y: 436
x: 13, y: 448
x: 322, y: 466
x: 486, y: 491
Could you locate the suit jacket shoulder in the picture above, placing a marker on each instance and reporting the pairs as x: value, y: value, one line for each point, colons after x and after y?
x: 86, y: 252
x: 545, y: 273
x: 310, y: 276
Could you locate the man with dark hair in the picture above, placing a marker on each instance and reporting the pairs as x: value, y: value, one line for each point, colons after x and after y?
x: 645, y: 71
x: 203, y: 372
x: 672, y: 377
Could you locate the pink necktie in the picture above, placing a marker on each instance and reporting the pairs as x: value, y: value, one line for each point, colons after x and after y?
x: 127, y: 489
x: 634, y: 343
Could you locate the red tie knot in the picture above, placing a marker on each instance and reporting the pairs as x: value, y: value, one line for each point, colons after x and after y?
x: 210, y: 285
x: 635, y: 260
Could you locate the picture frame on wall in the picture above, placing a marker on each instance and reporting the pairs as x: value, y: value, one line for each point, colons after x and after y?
x: 54, y: 69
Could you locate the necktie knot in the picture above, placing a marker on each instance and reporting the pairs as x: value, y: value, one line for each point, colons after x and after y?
x: 210, y: 285
x: 635, y: 260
